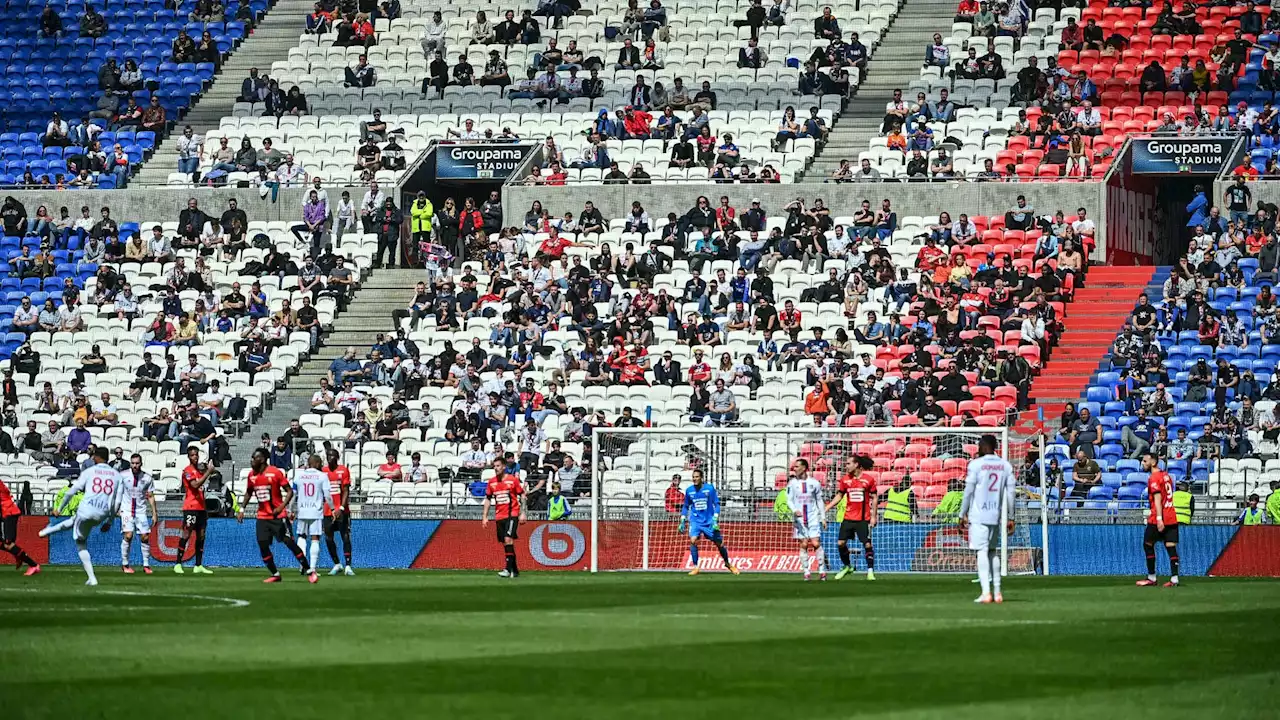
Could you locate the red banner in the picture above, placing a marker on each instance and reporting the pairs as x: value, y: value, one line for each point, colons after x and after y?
x: 1254, y: 551
x: 29, y: 537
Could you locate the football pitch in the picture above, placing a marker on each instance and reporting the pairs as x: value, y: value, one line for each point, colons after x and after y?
x: 397, y: 644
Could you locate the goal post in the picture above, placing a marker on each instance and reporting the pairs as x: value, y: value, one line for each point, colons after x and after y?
x: 640, y: 474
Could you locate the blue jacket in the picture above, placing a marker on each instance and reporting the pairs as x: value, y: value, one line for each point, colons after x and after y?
x: 1199, y: 210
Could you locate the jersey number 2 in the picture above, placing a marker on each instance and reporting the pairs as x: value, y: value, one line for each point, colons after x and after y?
x: 995, y: 482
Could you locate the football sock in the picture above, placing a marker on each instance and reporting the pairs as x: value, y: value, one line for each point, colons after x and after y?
x: 86, y: 561
x: 144, y: 544
x: 267, y: 558
x: 822, y: 560
x: 315, y: 551
x: 724, y: 553
x: 693, y: 553
x: 200, y: 547
x: 995, y: 570
x: 804, y: 559
x: 1151, y: 560
x: 124, y: 551
x: 182, y: 548
x: 844, y: 554
x: 18, y: 555
x: 869, y: 551
x: 332, y: 547
x: 22, y: 556
x: 510, y: 552
x: 302, y: 543
x: 1173, y: 562
x: 64, y: 525
x: 346, y: 546
x: 984, y: 574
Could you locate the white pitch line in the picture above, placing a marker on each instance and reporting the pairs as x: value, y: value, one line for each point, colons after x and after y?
x: 995, y: 620
x: 214, y: 601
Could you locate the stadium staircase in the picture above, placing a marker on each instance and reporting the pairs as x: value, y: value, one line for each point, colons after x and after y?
x: 270, y: 41
x: 1093, y: 319
x: 383, y: 292
x: 894, y: 65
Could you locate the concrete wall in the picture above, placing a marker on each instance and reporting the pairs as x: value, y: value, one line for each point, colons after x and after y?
x: 162, y: 203
x: 1266, y: 190
x: 907, y: 198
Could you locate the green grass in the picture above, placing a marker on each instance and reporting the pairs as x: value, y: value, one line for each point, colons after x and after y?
x: 570, y: 645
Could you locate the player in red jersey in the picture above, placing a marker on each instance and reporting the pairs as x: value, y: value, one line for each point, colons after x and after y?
x: 506, y: 494
x: 9, y: 514
x: 272, y: 491
x: 1162, y: 522
x: 338, y: 521
x: 195, y: 514
x: 860, y: 508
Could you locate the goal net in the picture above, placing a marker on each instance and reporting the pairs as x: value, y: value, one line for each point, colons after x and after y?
x: 642, y: 475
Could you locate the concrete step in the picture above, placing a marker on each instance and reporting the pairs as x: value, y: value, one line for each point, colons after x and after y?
x: 895, y: 62
x: 269, y: 42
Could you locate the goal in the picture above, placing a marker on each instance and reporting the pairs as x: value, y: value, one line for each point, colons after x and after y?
x: 641, y: 475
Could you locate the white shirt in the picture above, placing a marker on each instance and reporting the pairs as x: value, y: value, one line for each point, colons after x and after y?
x: 136, y: 490
x: 1084, y: 227
x: 804, y: 496
x: 372, y: 201
x: 103, y: 489
x: 324, y: 398
x: 312, y: 489
x: 212, y: 398
x: 988, y: 483
x: 475, y: 458
x: 26, y: 315
x: 193, y: 372
x: 1032, y: 329
x: 531, y: 442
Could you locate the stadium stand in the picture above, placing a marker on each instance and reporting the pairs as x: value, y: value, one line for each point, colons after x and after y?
x: 82, y: 80
x: 1190, y: 377
x: 507, y: 87
x: 227, y: 305
x: 1053, y: 95
x: 813, y: 320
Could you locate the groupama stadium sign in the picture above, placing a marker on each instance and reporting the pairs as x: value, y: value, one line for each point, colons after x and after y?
x: 1172, y: 155
x: 479, y: 161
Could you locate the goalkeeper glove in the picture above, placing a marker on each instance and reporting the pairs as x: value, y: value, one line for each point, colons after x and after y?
x: 680, y: 526
x: 715, y: 522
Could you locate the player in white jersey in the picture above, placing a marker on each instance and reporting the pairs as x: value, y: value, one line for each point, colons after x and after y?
x: 139, y: 496
x: 312, y: 494
x: 804, y: 498
x: 103, y: 489
x: 988, y: 485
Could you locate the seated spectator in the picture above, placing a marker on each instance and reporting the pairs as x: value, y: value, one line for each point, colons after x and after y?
x: 481, y: 31
x: 362, y: 75
x: 92, y: 24
x: 966, y: 11
x: 433, y: 35
x: 320, y: 21
x: 752, y: 56
x: 826, y: 27
x: 937, y: 54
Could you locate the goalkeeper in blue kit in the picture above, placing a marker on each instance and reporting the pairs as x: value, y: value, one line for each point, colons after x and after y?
x: 702, y: 512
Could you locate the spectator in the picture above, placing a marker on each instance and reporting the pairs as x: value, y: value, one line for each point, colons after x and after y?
x: 92, y: 24
x: 362, y: 75
x: 826, y: 27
